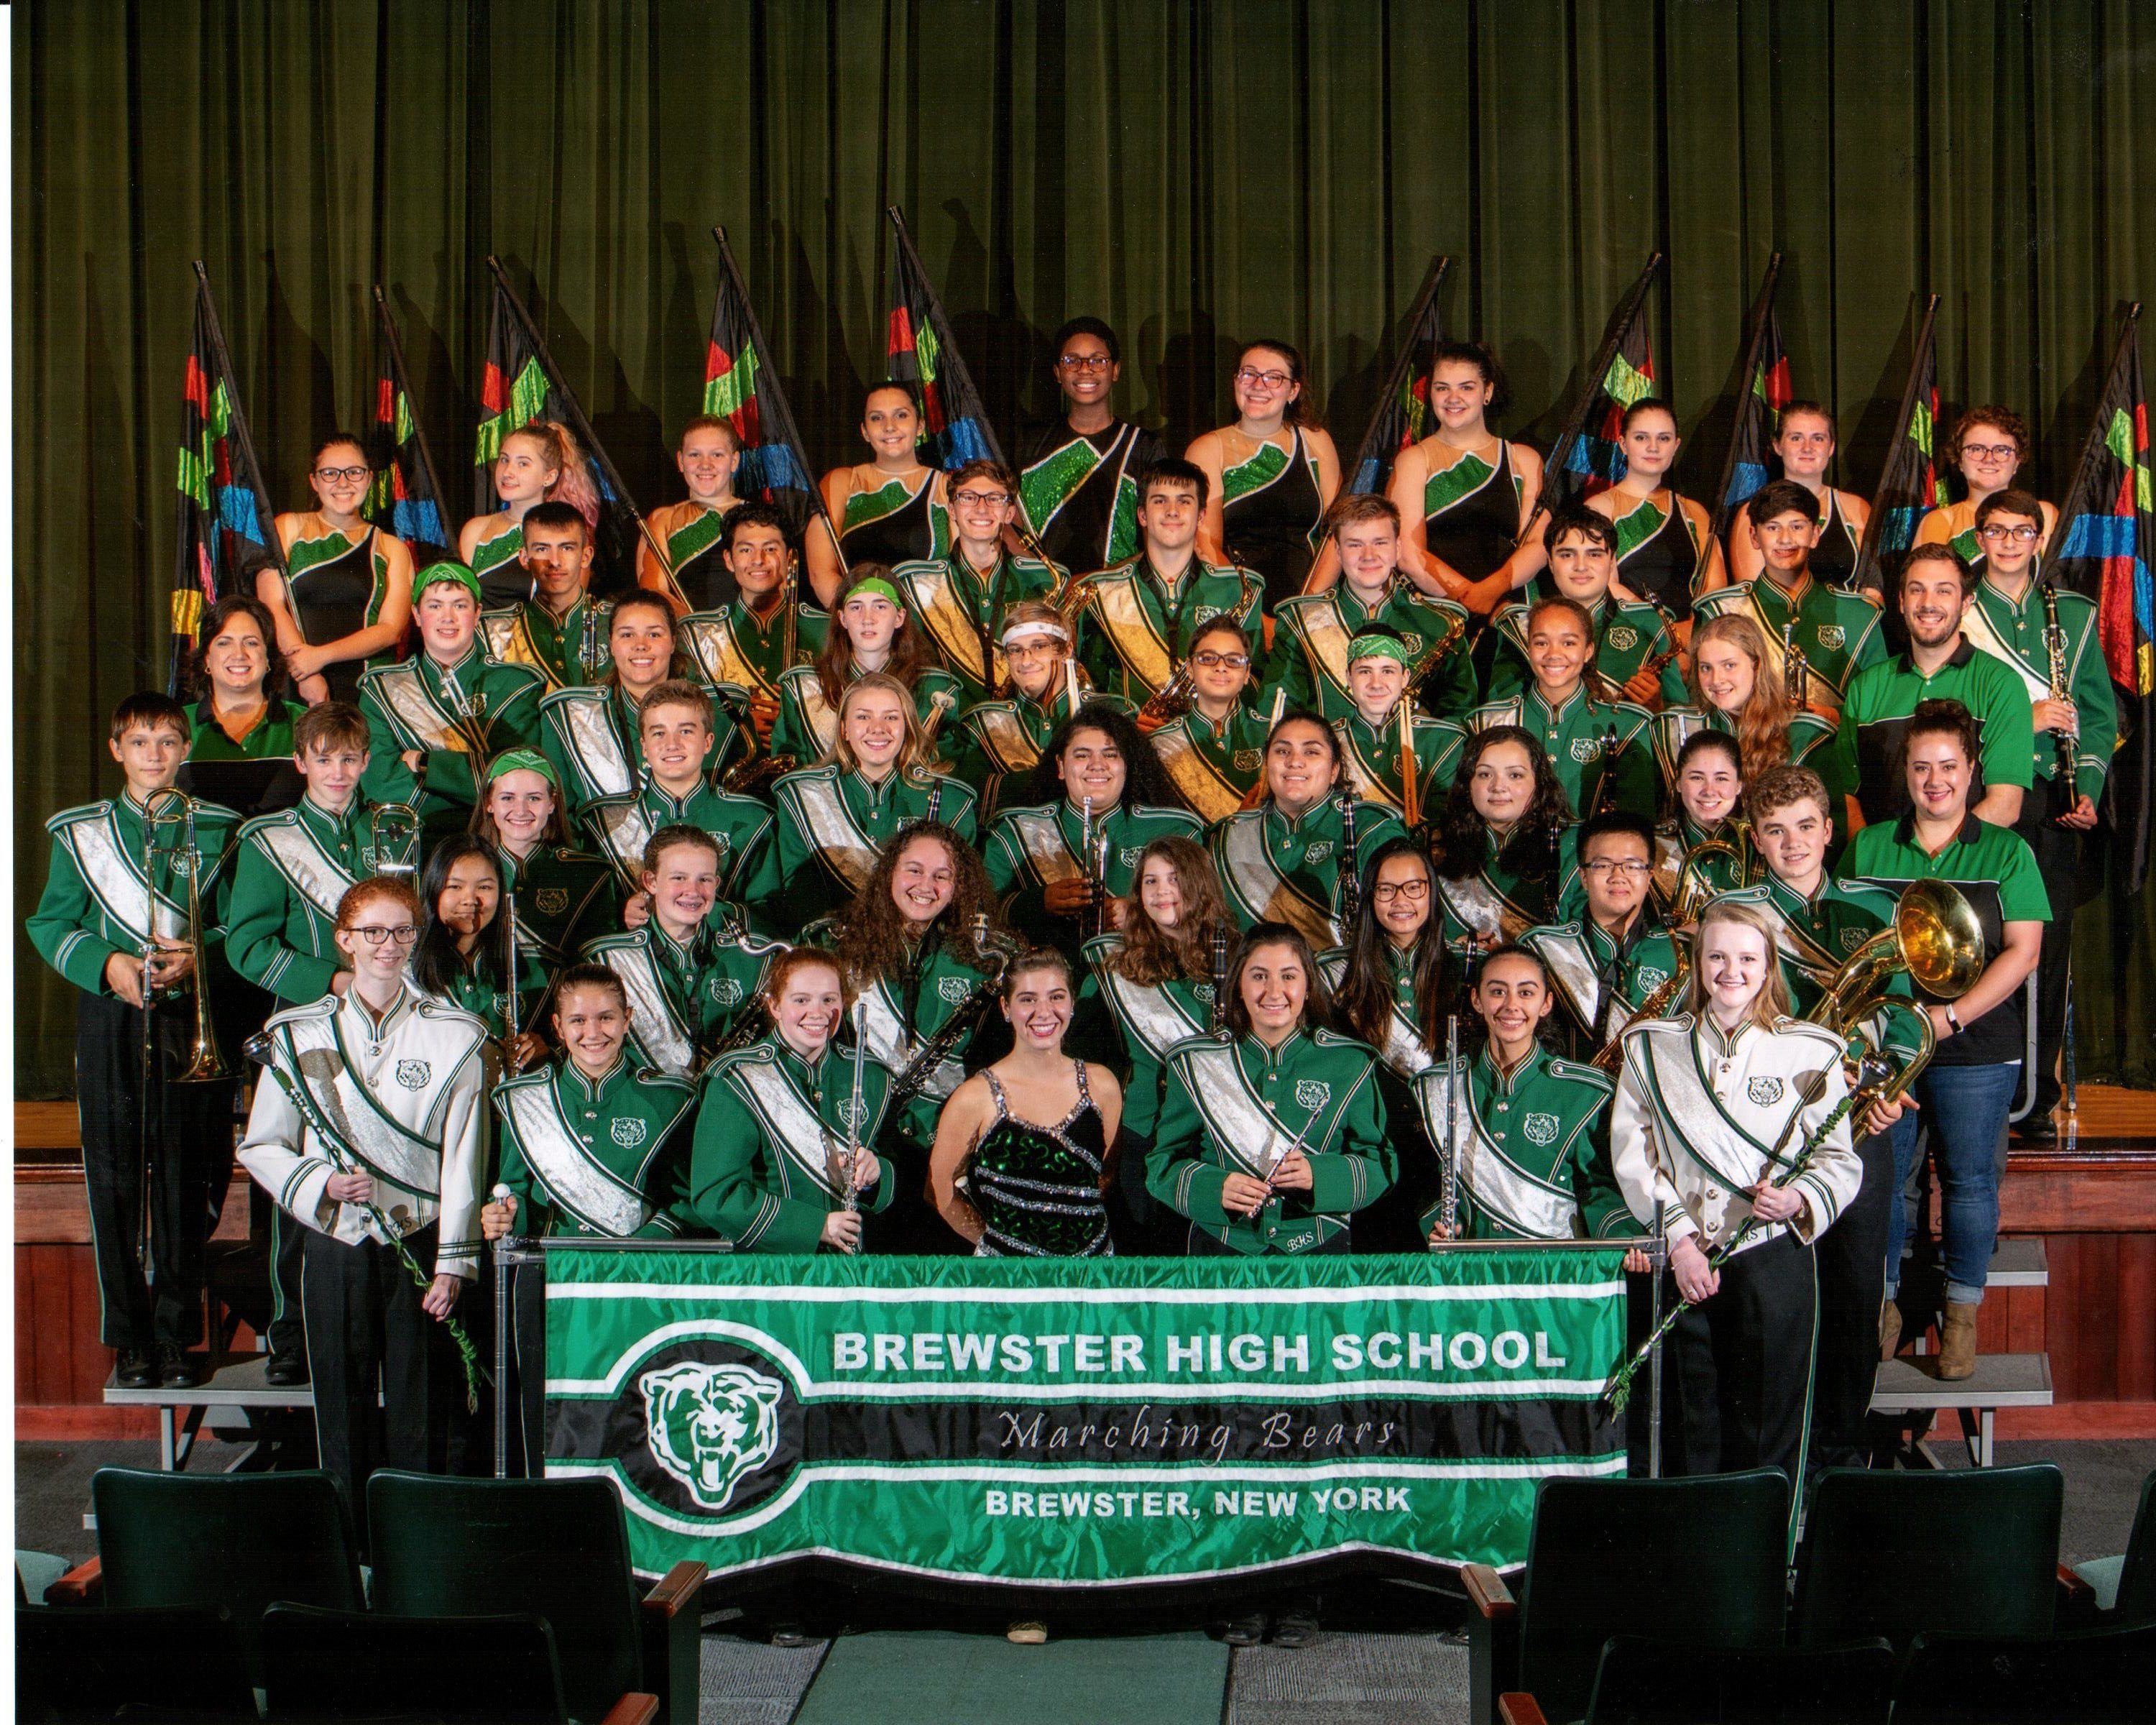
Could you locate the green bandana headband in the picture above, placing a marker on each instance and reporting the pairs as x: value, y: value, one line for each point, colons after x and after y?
x: 1378, y: 646
x: 522, y: 761
x: 453, y: 574
x: 875, y: 587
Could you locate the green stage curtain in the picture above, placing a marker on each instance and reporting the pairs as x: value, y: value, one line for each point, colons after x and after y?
x: 1198, y: 174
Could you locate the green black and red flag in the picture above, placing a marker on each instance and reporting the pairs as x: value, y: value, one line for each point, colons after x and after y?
x: 1588, y: 455
x: 227, y: 530
x: 522, y: 383
x: 920, y: 352
x: 406, y: 496
x: 741, y: 387
x: 1767, y: 391
x: 1911, y: 485
x: 1402, y: 417
x: 2107, y: 550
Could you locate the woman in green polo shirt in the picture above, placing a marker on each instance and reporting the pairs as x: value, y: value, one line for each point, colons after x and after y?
x: 240, y: 753
x: 1968, y: 1089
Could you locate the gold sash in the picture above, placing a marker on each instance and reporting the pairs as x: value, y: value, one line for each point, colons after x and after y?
x: 1041, y: 838
x: 1006, y: 739
x: 575, y: 1179
x: 413, y: 707
x: 817, y: 714
x: 1210, y: 796
x: 1130, y: 632
x: 718, y: 650
x: 1262, y: 891
x: 932, y: 597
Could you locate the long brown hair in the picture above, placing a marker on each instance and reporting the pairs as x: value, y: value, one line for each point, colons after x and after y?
x: 1363, y: 1005
x: 1762, y: 723
x: 870, y: 932
x: 835, y: 658
x: 1466, y: 835
x: 1152, y: 955
x: 1316, y: 1001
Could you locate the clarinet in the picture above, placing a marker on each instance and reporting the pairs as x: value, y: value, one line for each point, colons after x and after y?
x: 1605, y: 793
x: 1351, y: 880
x: 2054, y: 651
x: 1217, y: 954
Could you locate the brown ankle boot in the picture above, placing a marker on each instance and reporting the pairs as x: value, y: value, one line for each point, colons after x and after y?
x: 1957, y: 1340
x: 1890, y: 1330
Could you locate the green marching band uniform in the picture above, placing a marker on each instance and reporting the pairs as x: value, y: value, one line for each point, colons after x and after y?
x: 772, y: 1135
x: 734, y: 649
x: 1370, y: 760
x: 1213, y: 767
x: 472, y: 991
x: 809, y: 725
x: 1232, y: 1106
x: 592, y: 738
x: 1132, y: 632
x: 1576, y: 739
x: 1532, y: 1146
x: 994, y: 745
x: 1152, y: 1020
x: 960, y: 612
x: 570, y: 651
x: 564, y: 898
x: 1809, y: 741
x: 291, y: 871
x: 1837, y: 631
x: 683, y: 1000
x: 1628, y: 632
x: 1311, y: 633
x: 1499, y: 901
x: 901, y: 1015
x: 458, y: 717
x: 833, y: 825
x: 1278, y: 869
x: 743, y: 828
x: 1027, y: 851
x: 599, y: 1158
x: 1675, y: 841
x: 2015, y: 635
x: 1599, y: 982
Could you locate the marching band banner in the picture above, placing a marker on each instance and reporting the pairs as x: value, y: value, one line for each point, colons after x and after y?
x: 1084, y: 1424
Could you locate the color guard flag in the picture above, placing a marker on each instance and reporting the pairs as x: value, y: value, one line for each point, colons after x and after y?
x: 1767, y: 391
x: 406, y: 497
x: 1402, y: 417
x: 1588, y: 455
x: 954, y: 424
x: 741, y: 387
x: 1911, y: 485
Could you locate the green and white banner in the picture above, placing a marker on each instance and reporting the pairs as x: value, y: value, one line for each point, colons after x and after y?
x: 1080, y: 1424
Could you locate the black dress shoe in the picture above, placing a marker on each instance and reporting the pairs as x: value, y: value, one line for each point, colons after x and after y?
x: 134, y: 1369
x: 286, y: 1370
x: 177, y: 1368
x: 1247, y: 1630
x: 2037, y: 1129
x: 1296, y: 1627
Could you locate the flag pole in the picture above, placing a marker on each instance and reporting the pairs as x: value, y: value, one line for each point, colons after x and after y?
x: 1613, y: 335
x: 584, y: 426
x: 1762, y: 308
x: 239, y: 424
x: 405, y: 383
x: 1432, y: 280
x: 1867, y: 552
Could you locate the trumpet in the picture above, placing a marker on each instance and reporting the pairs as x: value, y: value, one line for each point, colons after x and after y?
x: 402, y: 820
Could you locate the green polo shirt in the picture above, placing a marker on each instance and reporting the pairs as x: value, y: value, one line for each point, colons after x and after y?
x: 1996, y: 872
x: 1869, y: 744
x: 271, y: 738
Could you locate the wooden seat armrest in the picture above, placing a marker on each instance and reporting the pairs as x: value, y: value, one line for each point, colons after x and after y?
x: 1488, y: 1592
x: 676, y: 1590
x: 1518, y: 1709
x: 82, y: 1585
x: 2073, y: 1590
x: 633, y: 1709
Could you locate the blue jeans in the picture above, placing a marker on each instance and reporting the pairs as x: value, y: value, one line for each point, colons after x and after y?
x: 1966, y: 1108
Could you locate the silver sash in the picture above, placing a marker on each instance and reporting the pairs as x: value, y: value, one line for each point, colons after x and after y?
x: 1151, y: 1014
x: 1474, y: 904
x: 715, y: 647
x: 1242, y: 1125
x: 840, y: 845
x: 1523, y: 1202
x: 655, y: 1025
x: 574, y: 1178
x: 884, y: 1036
x: 311, y: 871
x: 788, y: 1119
x: 115, y: 880
x: 417, y: 712
x: 588, y: 728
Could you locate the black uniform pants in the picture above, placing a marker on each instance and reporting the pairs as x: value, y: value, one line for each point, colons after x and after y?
x: 2058, y: 858
x: 367, y: 1331
x: 1851, y: 1258
x: 190, y: 1139
x: 1744, y: 1361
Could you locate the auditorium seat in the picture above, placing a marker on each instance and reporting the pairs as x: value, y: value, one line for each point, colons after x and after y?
x: 330, y: 1667
x: 238, y: 1540
x: 555, y: 1548
x: 1614, y: 1557
x: 1895, y: 1554
x: 153, y: 1666
x: 1644, y: 1679
x: 2104, y: 1676
x: 2124, y: 1587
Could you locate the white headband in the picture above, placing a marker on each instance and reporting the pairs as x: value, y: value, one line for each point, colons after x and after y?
x: 1025, y: 631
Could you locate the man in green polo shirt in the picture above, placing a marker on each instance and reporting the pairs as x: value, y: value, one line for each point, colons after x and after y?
x: 1940, y: 664
x: 2074, y: 741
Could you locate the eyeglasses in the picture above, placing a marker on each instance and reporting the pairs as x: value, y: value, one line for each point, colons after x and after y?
x: 1604, y: 865
x: 335, y: 475
x: 1413, y: 890
x: 981, y: 500
x: 1084, y: 362
x: 1221, y: 661
x: 1991, y: 452
x: 2010, y: 536
x: 1251, y: 379
x: 373, y: 933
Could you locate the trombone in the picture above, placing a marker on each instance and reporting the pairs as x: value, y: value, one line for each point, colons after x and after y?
x: 402, y: 820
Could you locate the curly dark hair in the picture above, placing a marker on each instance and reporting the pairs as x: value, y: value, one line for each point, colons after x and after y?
x: 869, y: 935
x: 1144, y: 780
x: 1318, y: 1003
x: 1466, y: 836
x: 1151, y: 955
x: 1363, y: 1005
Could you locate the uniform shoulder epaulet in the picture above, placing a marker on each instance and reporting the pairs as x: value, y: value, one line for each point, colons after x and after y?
x: 529, y: 674
x: 1805, y: 1026
x: 325, y: 1007
x: 1324, y: 1038
x: 1579, y: 1073
x: 508, y: 611
x: 1102, y: 948
x: 1008, y: 812
x: 1562, y: 930
x: 2073, y: 599
x: 75, y: 816
x: 1675, y: 1024
x: 1006, y: 705
x: 537, y: 1078
x: 623, y: 941
x: 654, y: 1078
x: 756, y: 1054
x: 830, y: 769
x: 264, y: 823
x: 1632, y: 710
x: 1056, y: 570
x: 909, y: 565
x: 1860, y: 595
x: 1758, y: 893
x: 1204, y: 1039
x: 1160, y: 811
x: 1509, y: 608
x: 440, y: 1012
x: 573, y: 694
